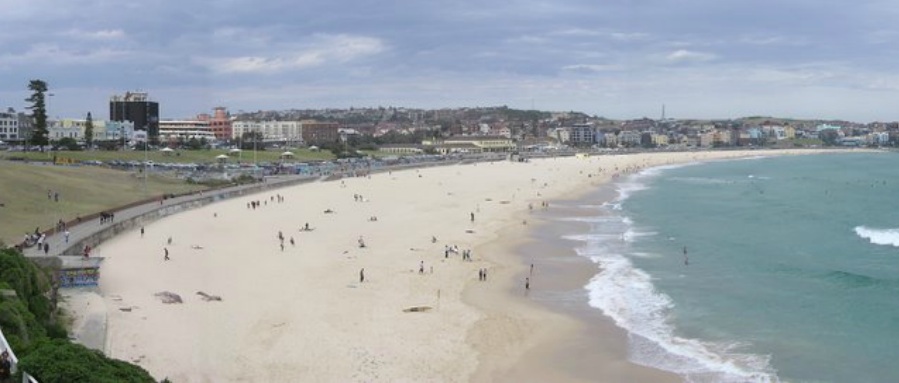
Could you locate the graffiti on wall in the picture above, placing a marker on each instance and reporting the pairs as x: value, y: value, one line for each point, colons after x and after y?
x: 79, y: 277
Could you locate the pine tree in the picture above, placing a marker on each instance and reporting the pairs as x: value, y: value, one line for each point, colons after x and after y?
x: 38, y: 112
x: 89, y: 131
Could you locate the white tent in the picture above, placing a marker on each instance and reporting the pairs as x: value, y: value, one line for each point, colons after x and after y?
x: 287, y: 154
x: 313, y: 148
x: 166, y: 151
x: 235, y: 150
x: 221, y: 157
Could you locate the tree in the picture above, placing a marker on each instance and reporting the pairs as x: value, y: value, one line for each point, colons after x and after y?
x: 829, y: 136
x: 249, y: 138
x: 38, y: 112
x: 89, y: 131
x: 68, y: 143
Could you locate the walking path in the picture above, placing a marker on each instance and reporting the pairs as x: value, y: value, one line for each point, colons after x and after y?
x: 90, y: 227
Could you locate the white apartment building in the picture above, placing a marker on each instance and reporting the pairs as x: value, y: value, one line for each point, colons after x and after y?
x: 270, y: 130
x: 172, y: 130
x: 9, y: 125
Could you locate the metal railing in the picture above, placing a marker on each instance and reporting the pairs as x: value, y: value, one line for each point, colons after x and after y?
x: 14, y: 361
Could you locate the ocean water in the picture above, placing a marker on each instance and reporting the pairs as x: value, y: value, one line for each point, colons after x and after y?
x: 793, y: 270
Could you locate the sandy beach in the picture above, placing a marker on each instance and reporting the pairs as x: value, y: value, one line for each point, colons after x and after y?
x: 300, y: 312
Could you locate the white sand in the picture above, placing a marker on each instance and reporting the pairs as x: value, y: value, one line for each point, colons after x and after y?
x: 301, y: 314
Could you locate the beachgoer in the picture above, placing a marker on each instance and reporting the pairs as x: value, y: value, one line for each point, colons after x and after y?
x: 170, y: 240
x: 472, y: 217
x: 166, y: 258
x: 421, y: 267
x: 292, y: 243
x: 527, y: 284
x: 362, y: 275
x: 5, y: 367
x: 141, y: 231
x: 532, y: 269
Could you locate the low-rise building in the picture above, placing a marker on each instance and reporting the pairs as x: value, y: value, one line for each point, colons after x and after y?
x: 173, y: 130
x: 9, y: 125
x: 319, y: 132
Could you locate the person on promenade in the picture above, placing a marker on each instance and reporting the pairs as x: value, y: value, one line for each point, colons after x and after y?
x: 5, y: 367
x: 46, y: 248
x: 166, y: 258
x: 67, y: 236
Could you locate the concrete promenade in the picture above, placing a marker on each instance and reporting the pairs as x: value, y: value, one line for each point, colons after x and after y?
x: 91, y: 232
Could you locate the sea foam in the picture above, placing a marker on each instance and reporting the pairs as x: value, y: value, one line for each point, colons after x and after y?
x: 886, y: 237
x: 627, y: 295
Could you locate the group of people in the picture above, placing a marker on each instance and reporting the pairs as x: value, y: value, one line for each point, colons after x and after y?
x: 106, y: 217
x: 36, y: 238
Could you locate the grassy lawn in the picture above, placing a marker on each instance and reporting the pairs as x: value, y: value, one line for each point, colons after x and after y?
x: 82, y: 190
x: 181, y: 156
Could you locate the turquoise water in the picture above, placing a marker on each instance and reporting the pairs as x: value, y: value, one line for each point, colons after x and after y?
x: 793, y: 268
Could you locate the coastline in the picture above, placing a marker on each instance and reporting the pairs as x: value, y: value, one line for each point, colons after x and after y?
x: 300, y: 314
x: 575, y: 342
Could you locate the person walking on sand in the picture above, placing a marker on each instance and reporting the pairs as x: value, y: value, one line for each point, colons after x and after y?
x: 141, y: 231
x: 166, y: 250
x: 362, y: 275
x: 527, y: 284
x: 472, y: 217
x: 421, y: 267
x: 170, y: 240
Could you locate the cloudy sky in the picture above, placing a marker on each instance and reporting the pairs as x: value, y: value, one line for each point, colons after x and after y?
x: 613, y: 58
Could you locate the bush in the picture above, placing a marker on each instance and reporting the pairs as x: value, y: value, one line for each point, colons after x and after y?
x: 59, y: 361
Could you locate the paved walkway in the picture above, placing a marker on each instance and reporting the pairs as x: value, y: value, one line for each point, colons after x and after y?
x: 88, y: 228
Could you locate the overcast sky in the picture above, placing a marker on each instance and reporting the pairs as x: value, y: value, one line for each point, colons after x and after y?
x: 613, y: 58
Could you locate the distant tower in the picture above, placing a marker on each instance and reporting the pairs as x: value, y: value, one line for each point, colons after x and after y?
x: 663, y: 112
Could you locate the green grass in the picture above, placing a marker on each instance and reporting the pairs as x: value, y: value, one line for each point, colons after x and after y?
x: 181, y: 156
x: 82, y: 190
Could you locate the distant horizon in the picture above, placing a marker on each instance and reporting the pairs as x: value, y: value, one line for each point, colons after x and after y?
x: 619, y: 59
x: 103, y: 115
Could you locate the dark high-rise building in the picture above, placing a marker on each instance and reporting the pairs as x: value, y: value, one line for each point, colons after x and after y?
x: 137, y: 108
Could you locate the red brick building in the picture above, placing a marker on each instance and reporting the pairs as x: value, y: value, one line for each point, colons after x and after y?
x: 219, y: 123
x: 319, y: 132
